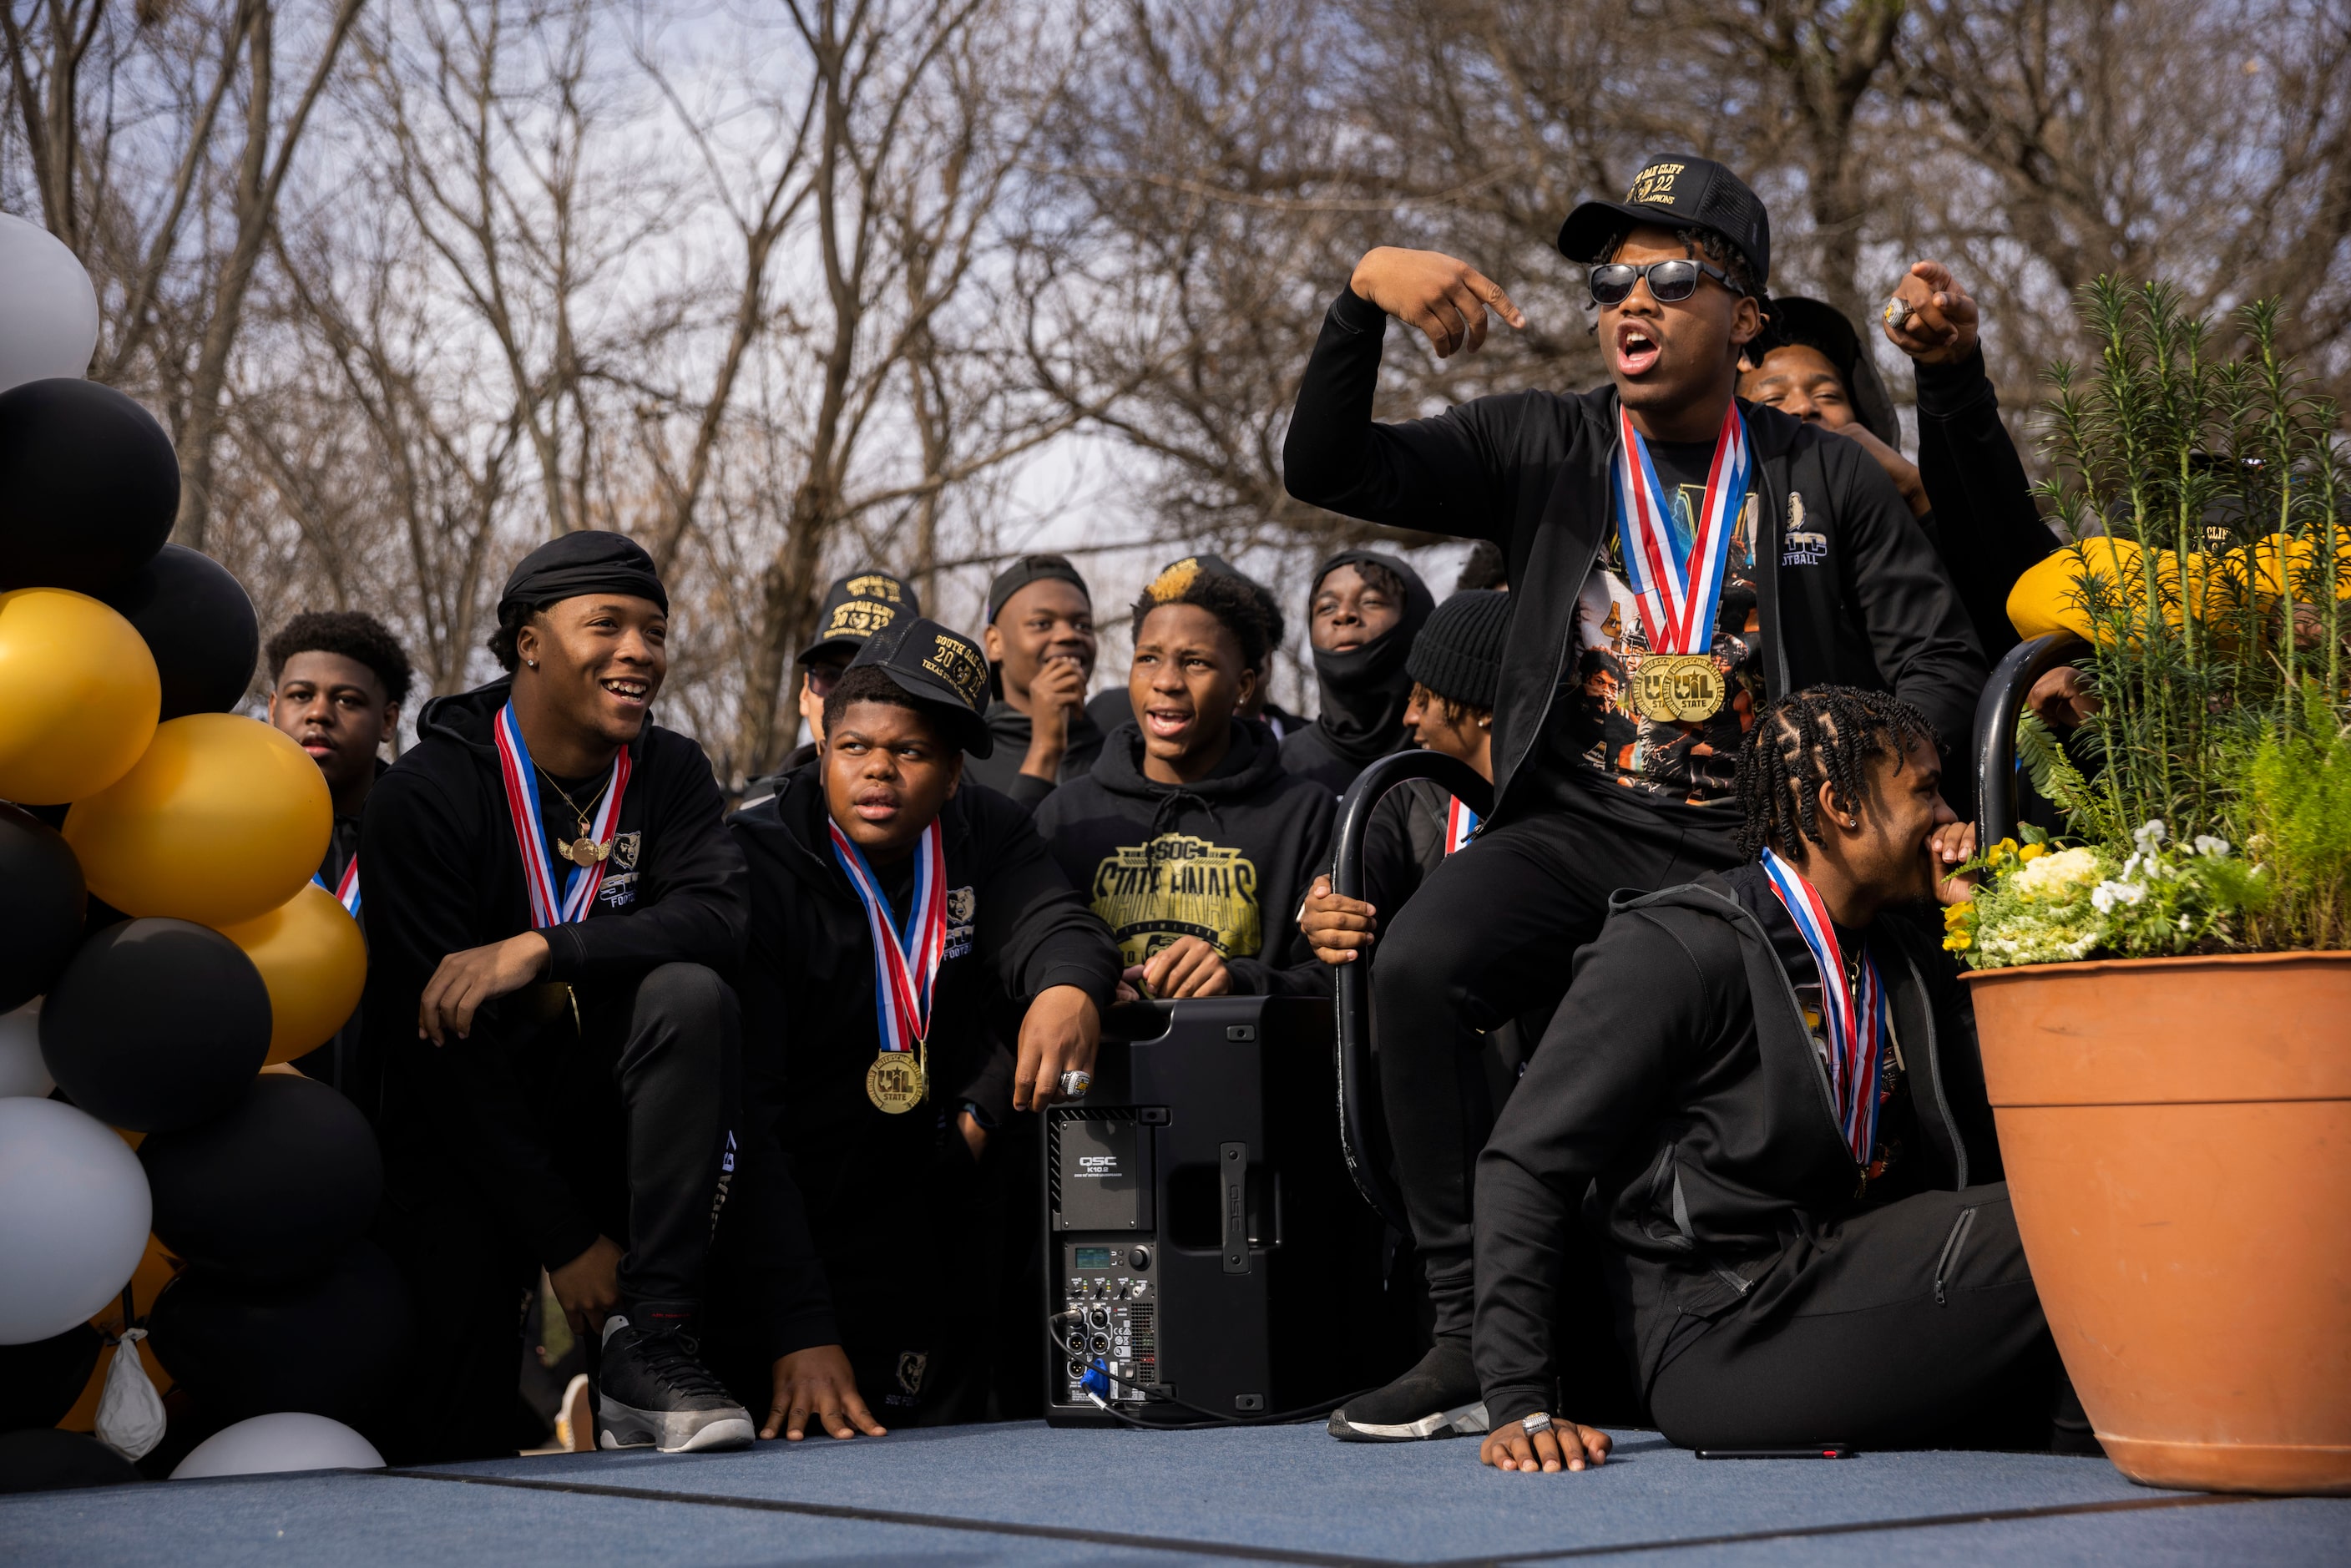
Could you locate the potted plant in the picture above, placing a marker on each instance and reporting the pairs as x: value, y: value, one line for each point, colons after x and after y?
x: 2161, y: 987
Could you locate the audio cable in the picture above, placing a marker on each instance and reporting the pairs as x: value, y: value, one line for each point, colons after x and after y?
x: 1098, y: 1366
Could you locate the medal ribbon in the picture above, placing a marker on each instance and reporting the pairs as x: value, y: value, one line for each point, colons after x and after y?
x: 1460, y: 821
x: 1679, y: 592
x: 347, y: 892
x: 547, y: 907
x: 904, y: 963
x: 1855, y: 1023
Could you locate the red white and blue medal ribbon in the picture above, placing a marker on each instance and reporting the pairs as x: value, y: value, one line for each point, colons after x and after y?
x: 1460, y: 821
x: 347, y: 892
x: 1680, y: 591
x: 548, y: 907
x: 905, y: 962
x: 1853, y: 1017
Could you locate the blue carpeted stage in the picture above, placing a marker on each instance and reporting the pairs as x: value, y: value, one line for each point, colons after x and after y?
x: 1023, y: 1494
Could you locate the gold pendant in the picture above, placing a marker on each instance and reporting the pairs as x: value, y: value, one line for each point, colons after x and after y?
x: 583, y: 852
x: 895, y: 1082
x: 1677, y: 688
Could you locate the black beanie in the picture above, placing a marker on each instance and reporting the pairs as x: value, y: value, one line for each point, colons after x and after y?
x: 1459, y: 654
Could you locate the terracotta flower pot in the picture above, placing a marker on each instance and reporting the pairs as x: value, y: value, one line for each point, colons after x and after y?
x: 2178, y: 1138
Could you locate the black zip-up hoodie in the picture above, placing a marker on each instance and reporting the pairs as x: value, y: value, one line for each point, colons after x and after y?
x: 1014, y: 929
x: 1698, y: 1112
x: 441, y: 872
x: 1864, y: 601
x: 1012, y: 729
x: 1228, y: 859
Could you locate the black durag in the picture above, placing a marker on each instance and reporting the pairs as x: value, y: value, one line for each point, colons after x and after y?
x: 1365, y: 690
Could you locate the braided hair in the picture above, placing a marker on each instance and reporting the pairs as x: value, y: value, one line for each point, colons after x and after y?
x: 1822, y: 735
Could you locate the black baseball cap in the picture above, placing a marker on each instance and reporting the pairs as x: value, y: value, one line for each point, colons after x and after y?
x: 859, y: 605
x: 1680, y: 190
x: 1797, y: 323
x: 943, y: 670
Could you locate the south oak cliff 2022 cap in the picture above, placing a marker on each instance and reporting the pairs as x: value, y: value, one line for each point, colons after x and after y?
x: 1678, y: 192
x: 942, y: 669
x: 857, y: 606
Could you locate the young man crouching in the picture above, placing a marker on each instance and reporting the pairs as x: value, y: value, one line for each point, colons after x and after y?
x: 1778, y: 1098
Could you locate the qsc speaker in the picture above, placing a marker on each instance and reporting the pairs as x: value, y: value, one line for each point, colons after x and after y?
x: 1204, y: 1241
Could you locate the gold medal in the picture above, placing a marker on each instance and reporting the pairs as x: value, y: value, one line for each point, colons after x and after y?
x: 1677, y: 688
x: 583, y: 852
x: 895, y: 1082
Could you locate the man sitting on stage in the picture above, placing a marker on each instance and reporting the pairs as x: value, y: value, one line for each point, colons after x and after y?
x: 549, y: 893
x: 900, y: 925
x: 1772, y: 1094
x: 1677, y: 560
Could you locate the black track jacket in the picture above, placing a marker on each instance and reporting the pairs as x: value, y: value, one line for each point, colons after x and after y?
x: 442, y: 874
x: 1530, y: 470
x: 1695, y: 1111
x: 860, y: 1175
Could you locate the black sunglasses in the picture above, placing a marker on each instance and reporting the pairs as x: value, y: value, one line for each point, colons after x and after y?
x: 1670, y: 282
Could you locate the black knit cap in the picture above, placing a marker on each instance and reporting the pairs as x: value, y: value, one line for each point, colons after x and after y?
x: 857, y: 606
x: 1031, y: 569
x: 944, y: 670
x: 1459, y: 654
x: 589, y: 561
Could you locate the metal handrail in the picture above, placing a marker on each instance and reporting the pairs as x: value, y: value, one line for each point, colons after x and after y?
x: 1996, y: 713
x: 1354, y: 981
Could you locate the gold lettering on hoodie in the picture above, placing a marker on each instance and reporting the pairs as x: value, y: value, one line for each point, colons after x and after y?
x: 1178, y: 885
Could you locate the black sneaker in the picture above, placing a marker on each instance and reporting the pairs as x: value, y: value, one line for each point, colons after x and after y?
x: 1437, y: 1398
x: 655, y: 1392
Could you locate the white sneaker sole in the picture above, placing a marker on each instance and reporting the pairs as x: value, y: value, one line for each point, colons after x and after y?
x: 674, y: 1431
x: 1467, y: 1420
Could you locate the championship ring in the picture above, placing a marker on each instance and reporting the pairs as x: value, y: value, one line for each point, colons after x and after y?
x: 1538, y: 1421
x: 1075, y: 1083
x: 1898, y: 313
x: 895, y: 1082
x: 1677, y: 688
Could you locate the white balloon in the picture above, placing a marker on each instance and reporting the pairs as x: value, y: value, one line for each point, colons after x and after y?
x: 74, y: 1213
x: 48, y: 312
x: 22, y: 1070
x: 289, y: 1441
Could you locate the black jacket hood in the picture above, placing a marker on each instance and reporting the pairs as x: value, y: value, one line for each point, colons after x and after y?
x: 1255, y: 758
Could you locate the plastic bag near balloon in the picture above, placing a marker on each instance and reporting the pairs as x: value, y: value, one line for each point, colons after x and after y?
x: 222, y: 819
x: 129, y: 1412
x: 49, y: 313
x: 73, y: 1215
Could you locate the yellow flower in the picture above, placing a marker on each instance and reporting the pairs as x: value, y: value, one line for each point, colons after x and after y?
x: 1958, y: 914
x: 2032, y: 852
x: 1958, y: 942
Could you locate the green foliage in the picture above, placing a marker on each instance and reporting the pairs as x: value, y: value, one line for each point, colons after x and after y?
x: 2206, y: 494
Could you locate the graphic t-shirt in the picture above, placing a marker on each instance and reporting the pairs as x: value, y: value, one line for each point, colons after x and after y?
x: 1179, y: 884
x: 1695, y: 764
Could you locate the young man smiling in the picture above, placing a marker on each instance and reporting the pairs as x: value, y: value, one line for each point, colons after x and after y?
x: 898, y: 920
x: 1678, y: 560
x: 1188, y: 838
x: 1775, y: 1105
x: 549, y: 898
x: 1040, y: 640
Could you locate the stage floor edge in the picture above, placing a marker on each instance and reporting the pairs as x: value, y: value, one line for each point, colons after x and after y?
x: 1021, y: 1493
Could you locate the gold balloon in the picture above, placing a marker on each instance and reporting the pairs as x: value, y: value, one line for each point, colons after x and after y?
x: 314, y: 961
x: 221, y: 821
x: 82, y: 695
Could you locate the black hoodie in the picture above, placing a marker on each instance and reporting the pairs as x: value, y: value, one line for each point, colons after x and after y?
x: 1363, y: 691
x: 1012, y: 729
x: 1228, y: 859
x: 1848, y: 590
x: 1695, y: 1109
x: 860, y: 1176
x: 441, y: 874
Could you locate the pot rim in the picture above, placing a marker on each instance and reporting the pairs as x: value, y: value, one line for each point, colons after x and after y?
x: 2180, y: 961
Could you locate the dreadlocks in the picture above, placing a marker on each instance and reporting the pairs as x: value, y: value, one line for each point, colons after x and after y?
x: 1822, y: 734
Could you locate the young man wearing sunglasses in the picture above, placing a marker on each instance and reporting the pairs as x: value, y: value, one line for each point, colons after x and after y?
x: 1679, y: 560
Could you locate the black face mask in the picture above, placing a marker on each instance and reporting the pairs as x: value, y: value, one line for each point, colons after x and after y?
x: 1365, y: 689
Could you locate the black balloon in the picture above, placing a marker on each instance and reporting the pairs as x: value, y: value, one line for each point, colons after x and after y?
x: 42, y: 901
x: 45, y: 1459
x: 41, y: 1382
x: 200, y: 626
x: 330, y: 1347
x: 273, y: 1189
x: 156, y: 1024
x: 89, y: 486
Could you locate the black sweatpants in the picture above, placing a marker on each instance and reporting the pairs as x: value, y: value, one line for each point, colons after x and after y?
x: 1490, y: 934
x: 1912, y: 1325
x: 639, y: 1112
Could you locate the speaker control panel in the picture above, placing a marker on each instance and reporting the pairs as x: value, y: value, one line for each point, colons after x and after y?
x: 1107, y: 1319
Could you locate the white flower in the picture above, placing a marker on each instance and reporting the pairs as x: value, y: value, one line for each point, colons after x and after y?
x: 2205, y: 845
x: 2149, y: 834
x: 2106, y: 894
